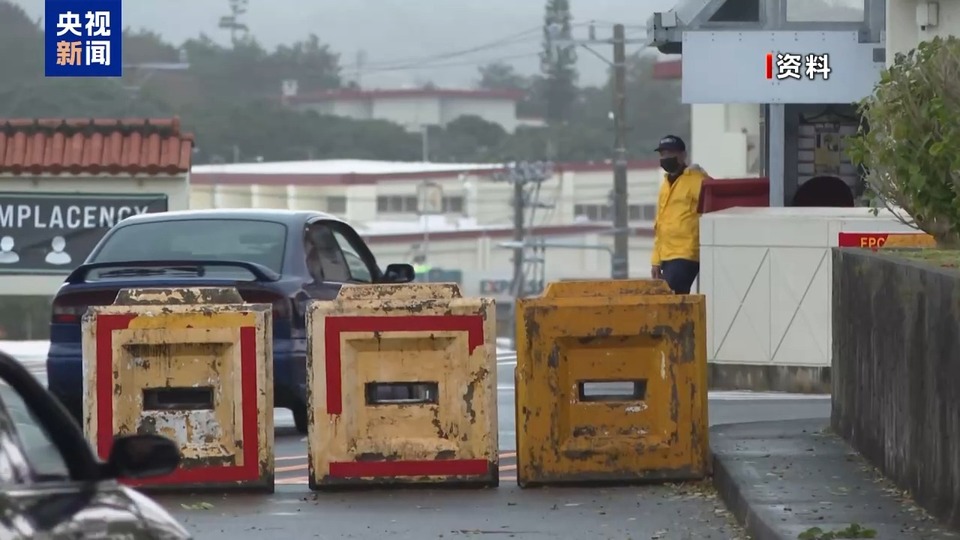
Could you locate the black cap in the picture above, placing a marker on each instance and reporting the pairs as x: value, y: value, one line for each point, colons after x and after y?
x: 672, y: 143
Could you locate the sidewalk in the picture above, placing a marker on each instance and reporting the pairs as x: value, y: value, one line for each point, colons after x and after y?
x: 780, y: 479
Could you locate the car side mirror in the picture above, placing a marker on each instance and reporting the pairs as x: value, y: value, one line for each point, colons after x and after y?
x: 399, y: 273
x: 142, y: 456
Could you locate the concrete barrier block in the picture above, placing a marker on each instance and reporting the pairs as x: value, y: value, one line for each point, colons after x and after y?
x: 611, y: 384
x: 402, y: 387
x: 180, y: 363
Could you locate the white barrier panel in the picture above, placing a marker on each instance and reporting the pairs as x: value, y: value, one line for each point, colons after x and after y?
x: 767, y: 275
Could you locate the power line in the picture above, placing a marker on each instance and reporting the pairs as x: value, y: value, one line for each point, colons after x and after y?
x: 503, y: 41
x: 455, y: 64
x: 416, y: 62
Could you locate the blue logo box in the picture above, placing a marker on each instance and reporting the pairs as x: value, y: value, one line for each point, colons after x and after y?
x: 83, y: 38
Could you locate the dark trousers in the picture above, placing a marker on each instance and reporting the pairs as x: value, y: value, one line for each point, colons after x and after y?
x: 680, y: 274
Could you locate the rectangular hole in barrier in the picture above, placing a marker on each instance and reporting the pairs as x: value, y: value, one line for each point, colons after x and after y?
x: 178, y: 399
x: 401, y: 393
x: 630, y: 390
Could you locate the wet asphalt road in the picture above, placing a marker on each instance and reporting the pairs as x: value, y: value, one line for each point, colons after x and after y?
x: 666, y: 512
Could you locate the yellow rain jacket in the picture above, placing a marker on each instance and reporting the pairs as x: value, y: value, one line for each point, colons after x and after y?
x: 676, y: 229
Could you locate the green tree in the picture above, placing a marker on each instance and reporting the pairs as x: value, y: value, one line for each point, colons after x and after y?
x: 653, y: 109
x: 309, y: 61
x: 467, y: 138
x: 265, y: 129
x: 912, y: 128
x: 143, y: 46
x: 558, y: 62
x: 501, y: 76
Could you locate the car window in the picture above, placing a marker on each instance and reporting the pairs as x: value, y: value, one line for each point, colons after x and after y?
x: 358, y: 269
x: 255, y: 241
x: 34, y: 442
x: 324, y: 257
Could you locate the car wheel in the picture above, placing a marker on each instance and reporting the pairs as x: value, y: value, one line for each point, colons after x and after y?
x: 300, y: 419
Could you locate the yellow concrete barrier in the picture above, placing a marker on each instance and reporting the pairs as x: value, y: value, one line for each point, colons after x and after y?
x: 194, y: 365
x: 401, y: 386
x: 611, y: 383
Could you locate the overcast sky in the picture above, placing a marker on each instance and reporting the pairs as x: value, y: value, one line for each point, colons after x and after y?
x: 403, y: 38
x: 396, y: 34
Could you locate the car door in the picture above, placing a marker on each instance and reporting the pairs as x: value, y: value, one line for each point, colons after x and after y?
x: 335, y: 255
x: 39, y: 497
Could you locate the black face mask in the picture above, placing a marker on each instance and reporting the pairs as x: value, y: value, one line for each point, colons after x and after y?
x: 670, y: 164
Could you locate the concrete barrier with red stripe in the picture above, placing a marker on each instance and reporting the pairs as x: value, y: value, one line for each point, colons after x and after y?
x: 401, y: 386
x: 193, y: 365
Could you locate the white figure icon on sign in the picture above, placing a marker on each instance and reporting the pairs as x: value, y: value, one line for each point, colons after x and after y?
x: 58, y: 256
x: 7, y: 255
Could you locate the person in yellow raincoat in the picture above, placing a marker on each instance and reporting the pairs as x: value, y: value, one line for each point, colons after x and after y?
x: 676, y: 236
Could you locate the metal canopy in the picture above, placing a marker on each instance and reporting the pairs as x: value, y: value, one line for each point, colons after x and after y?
x: 665, y: 29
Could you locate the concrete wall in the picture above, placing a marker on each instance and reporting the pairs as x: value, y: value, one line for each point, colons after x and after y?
x: 725, y: 138
x: 896, y: 366
x: 904, y: 34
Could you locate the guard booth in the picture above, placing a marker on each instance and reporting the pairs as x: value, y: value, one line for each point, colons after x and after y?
x: 802, y: 62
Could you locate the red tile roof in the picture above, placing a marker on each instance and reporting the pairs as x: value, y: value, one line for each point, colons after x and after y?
x: 94, y: 146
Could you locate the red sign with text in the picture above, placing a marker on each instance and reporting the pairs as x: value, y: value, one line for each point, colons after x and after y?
x: 879, y: 240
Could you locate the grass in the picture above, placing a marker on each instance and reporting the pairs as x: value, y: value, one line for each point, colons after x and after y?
x: 944, y: 258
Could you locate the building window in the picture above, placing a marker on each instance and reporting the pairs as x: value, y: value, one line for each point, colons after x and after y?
x: 397, y: 204
x: 603, y: 212
x: 407, y: 204
x: 453, y: 205
x: 337, y: 205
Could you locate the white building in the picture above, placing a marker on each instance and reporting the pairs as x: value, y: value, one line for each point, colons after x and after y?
x: 725, y: 138
x: 474, y: 210
x: 416, y: 108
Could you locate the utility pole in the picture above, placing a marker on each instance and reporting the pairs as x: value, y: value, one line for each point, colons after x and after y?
x: 519, y: 235
x: 520, y: 176
x: 621, y: 230
x: 621, y: 239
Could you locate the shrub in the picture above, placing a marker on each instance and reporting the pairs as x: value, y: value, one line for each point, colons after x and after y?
x: 909, y: 143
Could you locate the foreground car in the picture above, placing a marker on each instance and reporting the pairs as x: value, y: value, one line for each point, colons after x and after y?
x: 53, y: 485
x: 278, y: 257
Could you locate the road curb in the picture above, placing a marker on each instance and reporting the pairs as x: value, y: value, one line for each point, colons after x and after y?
x: 757, y: 526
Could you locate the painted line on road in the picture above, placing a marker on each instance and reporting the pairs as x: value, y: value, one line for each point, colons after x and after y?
x: 303, y: 480
x: 291, y: 481
x: 304, y: 466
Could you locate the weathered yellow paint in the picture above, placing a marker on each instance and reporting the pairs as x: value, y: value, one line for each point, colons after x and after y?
x: 462, y: 424
x: 172, y: 320
x: 172, y: 343
x: 608, y: 332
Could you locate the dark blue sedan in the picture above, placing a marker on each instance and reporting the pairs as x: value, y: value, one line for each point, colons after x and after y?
x: 279, y: 257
